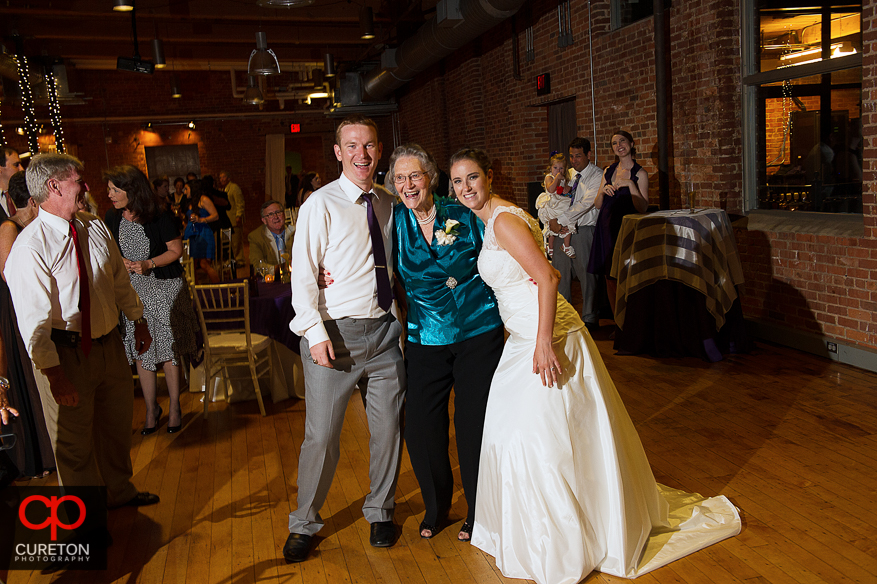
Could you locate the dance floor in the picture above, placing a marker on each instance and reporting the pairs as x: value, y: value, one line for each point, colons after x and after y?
x: 790, y: 438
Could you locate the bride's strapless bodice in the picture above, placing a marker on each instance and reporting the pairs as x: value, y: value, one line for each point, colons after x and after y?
x: 516, y: 294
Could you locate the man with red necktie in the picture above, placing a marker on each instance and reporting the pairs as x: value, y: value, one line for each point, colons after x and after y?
x: 68, y: 283
x: 349, y: 336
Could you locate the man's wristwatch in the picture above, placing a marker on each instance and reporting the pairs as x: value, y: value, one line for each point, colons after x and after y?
x: 140, y: 320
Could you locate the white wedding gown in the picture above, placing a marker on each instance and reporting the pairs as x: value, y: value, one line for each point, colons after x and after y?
x: 564, y: 485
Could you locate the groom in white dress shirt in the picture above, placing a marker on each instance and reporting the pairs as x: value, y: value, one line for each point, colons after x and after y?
x: 349, y: 337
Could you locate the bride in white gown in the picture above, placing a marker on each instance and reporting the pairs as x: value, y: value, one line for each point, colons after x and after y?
x: 564, y: 485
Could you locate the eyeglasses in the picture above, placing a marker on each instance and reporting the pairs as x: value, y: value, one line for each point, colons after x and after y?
x: 274, y: 214
x: 414, y: 176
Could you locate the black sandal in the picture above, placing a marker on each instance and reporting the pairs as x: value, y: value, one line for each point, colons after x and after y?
x: 467, y: 529
x: 434, y: 529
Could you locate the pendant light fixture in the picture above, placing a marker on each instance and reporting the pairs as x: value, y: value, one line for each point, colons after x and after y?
x: 367, y: 23
x: 158, y: 53
x: 123, y: 5
x: 329, y: 65
x: 175, y: 87
x: 263, y: 61
x: 253, y: 94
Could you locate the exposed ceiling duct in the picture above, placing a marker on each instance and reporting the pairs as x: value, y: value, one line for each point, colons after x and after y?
x: 451, y: 29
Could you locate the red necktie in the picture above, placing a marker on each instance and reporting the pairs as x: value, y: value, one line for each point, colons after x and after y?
x: 84, y: 297
x: 9, y: 204
x: 382, y: 277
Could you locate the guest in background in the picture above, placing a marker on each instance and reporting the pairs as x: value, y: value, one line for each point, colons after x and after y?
x: 310, y: 183
x: 291, y: 182
x: 180, y: 200
x: 162, y: 188
x: 32, y: 453
x: 150, y: 241
x: 235, y: 213
x: 580, y: 218
x: 273, y: 239
x: 10, y: 163
x: 623, y: 190
x: 81, y: 370
x: 202, y: 244
x: 191, y: 176
x: 220, y: 201
x: 554, y: 202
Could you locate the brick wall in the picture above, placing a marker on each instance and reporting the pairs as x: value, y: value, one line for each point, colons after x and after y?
x: 819, y: 284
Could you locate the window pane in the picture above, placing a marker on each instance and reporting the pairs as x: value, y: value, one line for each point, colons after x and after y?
x: 812, y: 145
x: 792, y: 36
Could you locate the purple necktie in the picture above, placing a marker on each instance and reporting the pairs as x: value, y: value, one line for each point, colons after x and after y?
x: 382, y: 277
x: 572, y: 191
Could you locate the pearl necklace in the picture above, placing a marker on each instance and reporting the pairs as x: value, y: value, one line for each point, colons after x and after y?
x: 428, y: 219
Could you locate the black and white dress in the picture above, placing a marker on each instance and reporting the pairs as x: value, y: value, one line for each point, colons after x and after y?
x: 167, y: 306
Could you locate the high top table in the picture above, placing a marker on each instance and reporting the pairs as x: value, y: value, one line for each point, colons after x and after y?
x: 677, y: 274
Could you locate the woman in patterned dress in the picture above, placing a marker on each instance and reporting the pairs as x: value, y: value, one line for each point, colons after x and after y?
x: 150, y: 242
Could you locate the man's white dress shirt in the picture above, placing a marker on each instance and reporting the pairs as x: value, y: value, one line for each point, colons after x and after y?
x: 43, y: 278
x: 332, y: 233
x: 582, y: 210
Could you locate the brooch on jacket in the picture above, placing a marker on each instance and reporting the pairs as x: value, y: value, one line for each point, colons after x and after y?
x: 448, y: 234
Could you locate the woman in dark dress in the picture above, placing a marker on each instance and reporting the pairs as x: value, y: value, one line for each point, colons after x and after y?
x: 32, y: 454
x: 309, y: 184
x: 623, y: 190
x: 199, y: 231
x: 150, y: 242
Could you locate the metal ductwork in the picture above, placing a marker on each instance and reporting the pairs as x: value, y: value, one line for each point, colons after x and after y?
x: 437, y: 39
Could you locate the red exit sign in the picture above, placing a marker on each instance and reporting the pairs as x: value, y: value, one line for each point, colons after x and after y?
x: 543, y: 84
x: 295, y: 128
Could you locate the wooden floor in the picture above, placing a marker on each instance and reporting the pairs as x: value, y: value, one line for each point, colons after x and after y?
x: 790, y: 438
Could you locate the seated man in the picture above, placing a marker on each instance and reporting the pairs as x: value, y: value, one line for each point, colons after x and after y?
x: 273, y: 238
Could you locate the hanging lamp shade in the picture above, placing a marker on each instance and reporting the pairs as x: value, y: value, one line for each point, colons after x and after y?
x: 329, y: 65
x: 263, y: 61
x: 123, y: 5
x: 367, y: 23
x: 158, y: 54
x: 253, y: 95
x: 175, y: 87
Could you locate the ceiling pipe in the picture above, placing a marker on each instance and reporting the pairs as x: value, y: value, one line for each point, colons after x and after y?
x: 433, y: 43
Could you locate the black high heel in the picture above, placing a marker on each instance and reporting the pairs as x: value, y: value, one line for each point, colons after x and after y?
x: 434, y: 529
x: 467, y: 529
x: 147, y: 431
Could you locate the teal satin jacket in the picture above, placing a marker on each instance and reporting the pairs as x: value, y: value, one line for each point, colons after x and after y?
x: 447, y: 300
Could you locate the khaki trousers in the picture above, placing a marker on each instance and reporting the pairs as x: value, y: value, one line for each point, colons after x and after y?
x: 92, y: 440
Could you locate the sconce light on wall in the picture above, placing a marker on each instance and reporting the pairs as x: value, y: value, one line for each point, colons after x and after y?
x: 191, y: 125
x: 263, y: 61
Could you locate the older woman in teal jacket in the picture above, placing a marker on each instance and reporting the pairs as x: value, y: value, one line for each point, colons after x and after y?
x: 455, y: 334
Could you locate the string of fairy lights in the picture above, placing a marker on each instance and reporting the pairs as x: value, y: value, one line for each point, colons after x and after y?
x: 55, y: 110
x: 30, y: 123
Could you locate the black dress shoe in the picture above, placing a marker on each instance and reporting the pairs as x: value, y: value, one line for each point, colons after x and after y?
x: 297, y: 547
x: 141, y: 499
x: 383, y: 534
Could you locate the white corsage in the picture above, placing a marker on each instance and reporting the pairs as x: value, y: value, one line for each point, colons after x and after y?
x: 448, y: 234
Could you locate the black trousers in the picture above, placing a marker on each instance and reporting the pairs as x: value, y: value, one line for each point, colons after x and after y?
x: 467, y: 367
